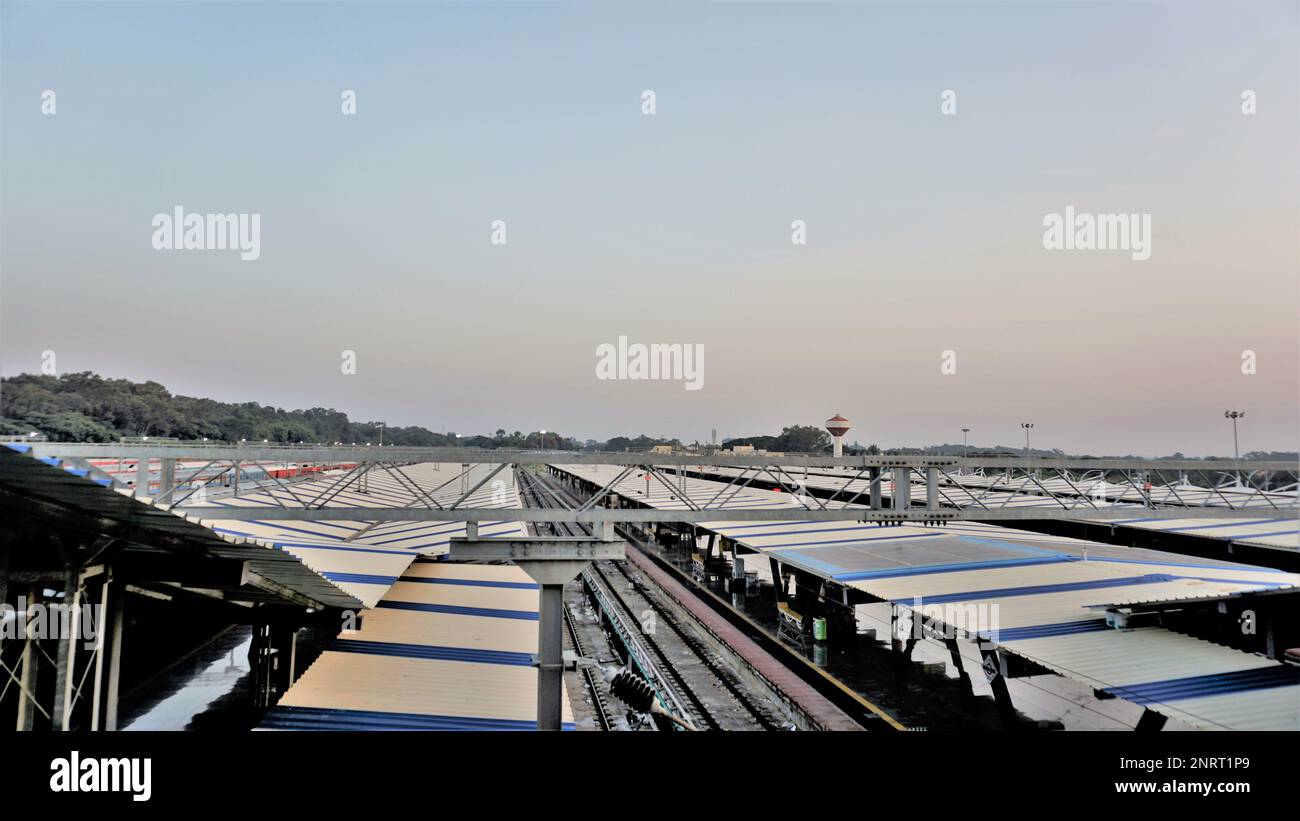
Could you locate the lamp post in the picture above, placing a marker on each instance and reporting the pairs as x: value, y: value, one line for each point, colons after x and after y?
x: 965, y: 451
x: 1027, y: 426
x: 1236, y: 452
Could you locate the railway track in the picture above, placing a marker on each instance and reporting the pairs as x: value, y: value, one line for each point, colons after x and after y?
x: 813, y: 699
x: 687, y: 674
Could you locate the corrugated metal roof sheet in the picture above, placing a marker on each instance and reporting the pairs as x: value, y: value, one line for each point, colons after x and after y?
x: 73, y: 487
x: 1046, y: 592
x: 448, y: 647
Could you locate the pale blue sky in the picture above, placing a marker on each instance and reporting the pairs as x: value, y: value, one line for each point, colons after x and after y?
x: 924, y: 230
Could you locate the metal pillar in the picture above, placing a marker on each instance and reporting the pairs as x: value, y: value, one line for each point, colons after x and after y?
x: 778, y: 580
x: 4, y: 576
x: 902, y: 488
x: 66, y: 660
x: 551, y: 562
x: 142, y: 476
x: 954, y: 652
x: 550, y: 657
x: 876, y: 476
x: 996, y: 674
x: 117, y: 627
x: 932, y: 488
x: 31, y: 666
x: 259, y: 659
x: 101, y: 628
x: 895, y: 616
x: 166, y: 479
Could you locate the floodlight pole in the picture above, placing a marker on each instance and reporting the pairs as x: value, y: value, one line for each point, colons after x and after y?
x: 1236, y: 451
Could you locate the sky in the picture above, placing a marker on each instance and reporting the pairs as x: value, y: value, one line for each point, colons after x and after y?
x: 924, y: 230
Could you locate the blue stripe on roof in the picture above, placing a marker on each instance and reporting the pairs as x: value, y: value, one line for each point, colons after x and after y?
x: 432, y: 653
x: 1041, y: 589
x: 1245, y: 536
x: 311, y: 545
x: 472, y: 582
x: 1251, y: 582
x: 278, y: 526
x: 1226, y: 566
x: 458, y: 610
x: 1042, y: 631
x: 1238, y: 681
x: 1012, y: 546
x: 767, y: 547
x: 339, y: 547
x: 358, y: 578
x: 951, y: 567
x: 1235, y: 523
x: 798, y: 557
x: 18, y: 446
x: 323, y: 718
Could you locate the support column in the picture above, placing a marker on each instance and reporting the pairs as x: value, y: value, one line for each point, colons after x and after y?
x: 259, y: 660
x: 166, y: 480
x: 66, y: 659
x: 902, y: 488
x: 778, y: 580
x: 932, y: 488
x: 807, y: 598
x: 551, y: 562
x: 895, y: 639
x: 114, y: 658
x: 918, y: 629
x: 31, y: 666
x: 876, y: 476
x: 97, y: 688
x: 4, y: 576
x: 550, y: 657
x: 142, y: 477
x: 284, y: 638
x: 993, y: 671
x: 954, y: 652
x: 1268, y: 621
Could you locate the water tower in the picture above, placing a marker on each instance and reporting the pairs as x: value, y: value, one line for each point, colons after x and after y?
x: 838, y: 426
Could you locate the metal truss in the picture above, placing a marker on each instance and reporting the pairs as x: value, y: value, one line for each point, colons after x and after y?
x: 350, y: 454
x: 947, y: 488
